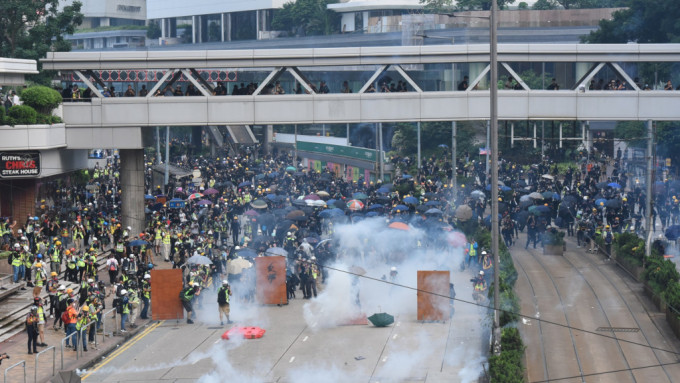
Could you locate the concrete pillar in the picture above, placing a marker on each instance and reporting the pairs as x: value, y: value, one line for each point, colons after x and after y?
x: 163, y: 28
x: 196, y: 138
x: 228, y: 26
x: 194, y: 27
x: 268, y: 138
x: 132, y: 186
x: 257, y: 24
x: 222, y: 19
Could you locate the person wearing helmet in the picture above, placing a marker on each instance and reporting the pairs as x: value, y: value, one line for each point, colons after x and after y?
x: 81, y: 322
x: 55, y: 256
x: 70, y: 318
x: 112, y: 267
x: 223, y: 295
x: 393, y: 274
x: 52, y: 288
x: 38, y: 304
x: 16, y: 260
x: 608, y: 239
x: 123, y: 309
x: 40, y: 279
x: 479, y: 286
x: 31, y: 322
x: 146, y: 296
x: 186, y: 296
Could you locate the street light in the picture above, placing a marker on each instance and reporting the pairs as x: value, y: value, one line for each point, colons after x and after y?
x: 493, y: 122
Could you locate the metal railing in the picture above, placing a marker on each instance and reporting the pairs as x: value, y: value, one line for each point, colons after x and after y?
x: 54, y: 362
x: 115, y: 323
x: 74, y: 334
x: 83, y: 332
x: 22, y: 363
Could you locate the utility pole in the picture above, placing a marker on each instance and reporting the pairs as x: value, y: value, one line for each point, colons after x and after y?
x: 158, y: 145
x: 380, y: 152
x: 650, y: 183
x: 418, y: 130
x: 295, y: 145
x: 167, y: 155
x: 454, y: 154
x: 493, y: 122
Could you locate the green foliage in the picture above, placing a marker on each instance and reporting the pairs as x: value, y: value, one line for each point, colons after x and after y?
x: 630, y: 247
x: 507, y: 367
x: 542, y: 5
x: 153, y: 30
x: 523, y: 5
x: 405, y: 139
x: 635, y: 132
x: 311, y: 16
x: 23, y: 115
x: 534, y: 80
x: 29, y: 29
x: 643, y: 21
x: 482, y: 4
x: 437, y: 6
x: 2, y: 114
x: 41, y: 98
x: 672, y: 295
x: 660, y: 273
x: 553, y: 237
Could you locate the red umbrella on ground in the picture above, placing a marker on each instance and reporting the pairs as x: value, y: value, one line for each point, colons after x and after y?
x: 399, y: 226
x: 355, y: 205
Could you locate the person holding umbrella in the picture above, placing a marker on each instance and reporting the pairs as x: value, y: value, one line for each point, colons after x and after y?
x: 223, y: 295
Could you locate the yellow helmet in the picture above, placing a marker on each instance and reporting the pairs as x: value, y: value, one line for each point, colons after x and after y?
x: 58, y: 243
x: 86, y: 308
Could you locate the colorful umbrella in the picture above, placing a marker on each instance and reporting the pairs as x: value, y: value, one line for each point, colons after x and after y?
x: 195, y: 196
x: 259, y: 204
x: 355, y: 205
x: 204, y: 202
x: 399, y: 226
x: 210, y: 191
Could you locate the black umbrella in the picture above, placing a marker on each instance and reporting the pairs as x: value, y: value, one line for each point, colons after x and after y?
x: 613, y: 204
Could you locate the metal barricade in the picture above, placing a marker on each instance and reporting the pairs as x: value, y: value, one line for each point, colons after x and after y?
x: 54, y: 361
x: 115, y: 322
x: 75, y: 334
x: 22, y: 363
x: 83, y: 333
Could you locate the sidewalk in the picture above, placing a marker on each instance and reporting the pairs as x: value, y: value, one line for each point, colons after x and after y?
x: 47, y: 364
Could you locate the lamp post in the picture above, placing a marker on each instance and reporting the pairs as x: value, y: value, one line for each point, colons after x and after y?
x: 493, y: 90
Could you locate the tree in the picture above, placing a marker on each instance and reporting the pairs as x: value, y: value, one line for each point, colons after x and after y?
x: 310, y: 17
x: 437, y: 6
x: 542, y: 5
x: 153, y: 31
x: 523, y: 5
x: 643, y: 22
x: 31, y: 28
x: 482, y: 4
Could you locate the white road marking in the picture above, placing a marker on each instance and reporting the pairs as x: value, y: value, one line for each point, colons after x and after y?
x: 305, y: 338
x: 292, y: 358
x: 216, y: 341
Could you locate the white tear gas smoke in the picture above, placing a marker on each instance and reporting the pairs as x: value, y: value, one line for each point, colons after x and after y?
x: 367, y: 246
x: 224, y: 369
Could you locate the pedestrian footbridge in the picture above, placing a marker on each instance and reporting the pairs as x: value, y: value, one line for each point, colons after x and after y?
x: 430, y: 73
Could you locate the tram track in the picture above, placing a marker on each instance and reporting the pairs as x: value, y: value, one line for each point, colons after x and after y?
x: 564, y: 313
x: 597, y: 267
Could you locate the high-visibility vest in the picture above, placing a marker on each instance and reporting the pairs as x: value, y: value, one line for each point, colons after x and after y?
x: 166, y: 239
x: 81, y: 262
x: 120, y: 247
x: 55, y: 255
x: 473, y: 251
x: 17, y: 261
x: 81, y: 323
x: 39, y: 277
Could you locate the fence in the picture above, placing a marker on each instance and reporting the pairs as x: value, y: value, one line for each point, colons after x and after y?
x: 75, y: 334
x: 54, y: 362
x: 22, y: 363
x: 115, y: 323
x: 83, y: 333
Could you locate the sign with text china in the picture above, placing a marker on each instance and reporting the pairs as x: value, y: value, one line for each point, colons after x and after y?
x: 19, y: 164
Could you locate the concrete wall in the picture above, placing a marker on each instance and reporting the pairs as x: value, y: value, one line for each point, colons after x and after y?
x: 354, y: 107
x: 84, y: 137
x: 31, y: 137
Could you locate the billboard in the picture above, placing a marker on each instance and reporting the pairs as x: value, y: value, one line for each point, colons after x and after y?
x: 19, y: 164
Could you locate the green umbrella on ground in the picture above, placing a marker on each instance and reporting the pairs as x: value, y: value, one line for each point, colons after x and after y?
x: 290, y: 169
x: 381, y: 319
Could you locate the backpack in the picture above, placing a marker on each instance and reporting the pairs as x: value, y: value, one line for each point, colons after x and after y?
x: 608, y: 238
x: 62, y: 305
x: 113, y: 267
x: 64, y: 317
x: 10, y: 258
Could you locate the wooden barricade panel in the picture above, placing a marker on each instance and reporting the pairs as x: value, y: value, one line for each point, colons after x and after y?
x: 433, y: 307
x: 270, y: 280
x: 165, y: 288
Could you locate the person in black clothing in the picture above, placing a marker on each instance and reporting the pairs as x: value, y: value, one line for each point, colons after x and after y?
x: 32, y: 330
x: 186, y: 296
x: 223, y: 301
x: 463, y: 85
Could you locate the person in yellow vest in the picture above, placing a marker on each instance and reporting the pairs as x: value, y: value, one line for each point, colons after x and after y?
x: 158, y: 240
x: 166, y: 245
x: 146, y: 296
x: 64, y: 233
x: 17, y: 262
x: 80, y: 263
x: 40, y: 279
x: 81, y: 322
x: 52, y: 290
x: 223, y: 295
x: 55, y: 257
x: 28, y: 265
x: 41, y: 320
x: 472, y: 253
x: 133, y: 297
x: 71, y: 269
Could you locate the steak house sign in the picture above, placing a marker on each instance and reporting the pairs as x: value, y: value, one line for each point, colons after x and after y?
x: 19, y: 164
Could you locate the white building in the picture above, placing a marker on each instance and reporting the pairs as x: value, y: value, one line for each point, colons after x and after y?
x: 109, y: 24
x: 357, y: 13
x: 200, y: 21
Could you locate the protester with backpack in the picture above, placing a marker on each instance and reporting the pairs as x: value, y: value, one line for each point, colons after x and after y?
x: 112, y: 267
x: 608, y: 239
